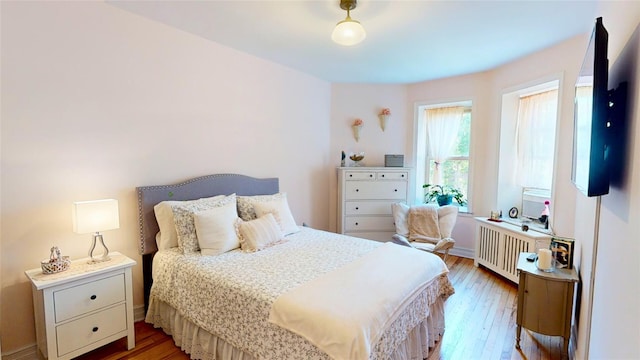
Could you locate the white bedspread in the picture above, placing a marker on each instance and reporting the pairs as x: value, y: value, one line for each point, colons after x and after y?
x: 230, y: 295
x: 345, y: 312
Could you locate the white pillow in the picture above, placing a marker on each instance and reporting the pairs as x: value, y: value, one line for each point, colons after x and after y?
x: 183, y: 216
x: 245, y: 204
x: 259, y: 233
x: 216, y: 229
x: 168, y: 237
x: 279, y: 207
x: 400, y: 213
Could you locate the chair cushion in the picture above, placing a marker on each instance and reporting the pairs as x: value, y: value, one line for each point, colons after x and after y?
x: 423, y: 246
x: 447, y: 216
x: 400, y: 213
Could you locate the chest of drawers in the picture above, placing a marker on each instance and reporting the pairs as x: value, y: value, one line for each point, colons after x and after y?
x: 365, y: 196
x: 84, y: 307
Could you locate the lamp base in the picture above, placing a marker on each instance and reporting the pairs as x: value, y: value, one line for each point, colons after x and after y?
x: 105, y: 254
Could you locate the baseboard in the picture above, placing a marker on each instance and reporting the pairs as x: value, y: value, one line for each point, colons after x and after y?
x: 27, y: 353
x: 463, y: 252
x: 31, y: 352
x: 138, y: 313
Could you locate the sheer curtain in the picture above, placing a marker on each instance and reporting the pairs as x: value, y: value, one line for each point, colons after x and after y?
x: 442, y: 129
x: 535, y: 139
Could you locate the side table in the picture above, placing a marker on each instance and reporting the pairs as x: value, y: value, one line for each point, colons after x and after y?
x: 545, y: 300
x: 84, y: 307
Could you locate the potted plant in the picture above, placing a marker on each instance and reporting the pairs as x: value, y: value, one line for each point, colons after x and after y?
x: 443, y: 194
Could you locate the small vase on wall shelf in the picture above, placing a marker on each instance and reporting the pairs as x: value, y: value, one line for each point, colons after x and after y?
x: 384, y: 116
x: 357, y: 126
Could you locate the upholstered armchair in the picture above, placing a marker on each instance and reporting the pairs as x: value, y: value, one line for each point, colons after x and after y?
x: 425, y: 227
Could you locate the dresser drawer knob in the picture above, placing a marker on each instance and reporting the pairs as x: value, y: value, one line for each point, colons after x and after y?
x: 396, y: 190
x: 350, y: 175
x: 356, y: 224
x: 382, y: 175
x: 402, y: 175
x: 93, y: 297
x: 357, y: 208
x: 357, y: 190
x: 370, y: 175
x: 95, y: 329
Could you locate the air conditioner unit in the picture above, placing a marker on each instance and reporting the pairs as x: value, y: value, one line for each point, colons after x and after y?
x: 533, y: 202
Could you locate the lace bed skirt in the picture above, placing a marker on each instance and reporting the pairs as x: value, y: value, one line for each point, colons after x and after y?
x: 201, y: 344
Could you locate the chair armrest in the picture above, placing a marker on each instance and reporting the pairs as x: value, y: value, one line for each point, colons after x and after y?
x: 400, y: 240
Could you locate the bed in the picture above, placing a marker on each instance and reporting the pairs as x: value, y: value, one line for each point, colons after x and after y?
x: 308, y: 294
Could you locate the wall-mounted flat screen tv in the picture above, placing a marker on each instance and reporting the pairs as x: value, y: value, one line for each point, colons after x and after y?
x: 591, y: 141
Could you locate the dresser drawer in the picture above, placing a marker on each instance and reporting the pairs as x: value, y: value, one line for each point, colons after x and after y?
x: 90, y: 329
x: 81, y: 299
x: 369, y: 223
x: 359, y: 175
x: 368, y: 207
x: 388, y: 175
x: 391, y: 190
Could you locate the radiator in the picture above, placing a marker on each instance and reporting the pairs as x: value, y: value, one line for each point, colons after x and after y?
x: 498, y: 245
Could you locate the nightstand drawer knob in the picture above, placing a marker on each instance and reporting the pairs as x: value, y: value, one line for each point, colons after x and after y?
x: 95, y: 329
x: 93, y: 297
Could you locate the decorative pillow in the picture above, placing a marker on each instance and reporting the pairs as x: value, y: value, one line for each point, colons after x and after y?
x: 216, y: 229
x: 184, y: 223
x: 423, y: 224
x: 281, y: 212
x: 259, y: 233
x: 168, y: 237
x: 245, y: 204
x: 400, y: 213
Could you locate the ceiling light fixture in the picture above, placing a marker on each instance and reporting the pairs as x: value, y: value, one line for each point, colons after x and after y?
x: 348, y: 31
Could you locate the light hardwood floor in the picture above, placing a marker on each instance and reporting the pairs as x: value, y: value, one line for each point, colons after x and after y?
x: 480, y: 324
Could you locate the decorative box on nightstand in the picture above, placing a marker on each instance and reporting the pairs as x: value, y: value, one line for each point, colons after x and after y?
x: 84, y: 307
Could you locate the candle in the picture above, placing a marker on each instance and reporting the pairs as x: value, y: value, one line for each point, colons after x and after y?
x: 544, y: 259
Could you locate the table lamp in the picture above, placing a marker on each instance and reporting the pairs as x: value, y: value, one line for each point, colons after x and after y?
x: 95, y: 216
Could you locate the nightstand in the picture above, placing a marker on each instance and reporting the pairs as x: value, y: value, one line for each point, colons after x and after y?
x: 545, y: 300
x: 84, y: 307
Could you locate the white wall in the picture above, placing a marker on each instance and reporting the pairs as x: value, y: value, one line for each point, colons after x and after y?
x: 97, y: 101
x: 615, y: 322
x: 364, y: 101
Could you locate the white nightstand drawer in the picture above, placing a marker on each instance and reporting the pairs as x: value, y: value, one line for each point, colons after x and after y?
x: 387, y: 175
x: 392, y: 190
x: 90, y: 329
x: 368, y: 207
x: 81, y: 299
x: 369, y: 223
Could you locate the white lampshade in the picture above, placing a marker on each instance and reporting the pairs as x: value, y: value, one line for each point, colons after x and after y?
x: 94, y: 216
x: 348, y: 32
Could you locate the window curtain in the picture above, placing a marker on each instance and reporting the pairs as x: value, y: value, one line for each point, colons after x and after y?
x: 535, y: 139
x: 442, y: 130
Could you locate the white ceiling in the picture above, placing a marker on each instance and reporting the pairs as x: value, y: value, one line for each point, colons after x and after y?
x: 407, y: 41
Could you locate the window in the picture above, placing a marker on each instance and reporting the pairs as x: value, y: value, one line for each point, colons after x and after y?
x: 442, y: 144
x: 535, y: 139
x: 528, y: 125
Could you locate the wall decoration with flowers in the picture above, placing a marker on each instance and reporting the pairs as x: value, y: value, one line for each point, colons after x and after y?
x: 384, y: 116
x: 357, y: 126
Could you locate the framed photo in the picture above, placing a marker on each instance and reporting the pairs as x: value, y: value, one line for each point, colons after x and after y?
x: 563, y: 250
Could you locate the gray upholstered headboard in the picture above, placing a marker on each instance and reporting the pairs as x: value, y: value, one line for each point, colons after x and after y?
x: 204, y: 186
